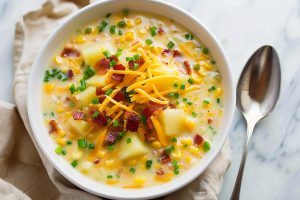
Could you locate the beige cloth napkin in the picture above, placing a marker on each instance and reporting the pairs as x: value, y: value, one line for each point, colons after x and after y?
x: 24, y: 171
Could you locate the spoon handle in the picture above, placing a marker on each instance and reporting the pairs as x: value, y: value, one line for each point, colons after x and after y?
x: 237, y: 186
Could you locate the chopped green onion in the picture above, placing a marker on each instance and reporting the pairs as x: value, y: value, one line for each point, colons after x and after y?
x: 194, y: 114
x: 103, y: 25
x: 206, y: 146
x: 109, y: 176
x: 170, y: 149
x: 95, y: 114
x: 170, y: 45
x: 188, y: 36
x: 177, y: 102
x: 173, y: 139
x: 212, y: 88
x: 88, y: 30
x: 112, y: 63
x: 206, y: 102
x: 121, y: 24
x: 189, y: 103
x: 110, y: 147
x: 107, y: 54
x: 218, y: 100
x: 74, y: 163
x: 82, y: 85
x: 119, y: 52
x: 135, y: 66
x: 190, y: 80
x: 82, y: 143
x: 91, y: 146
x: 88, y: 73
x: 129, y: 59
x: 173, y: 95
x: 182, y: 87
x: 116, y: 123
x: 52, y: 114
x: 136, y: 56
x: 148, y: 164
x: 72, y: 88
x: 205, y: 50
x: 149, y: 42
x: 120, y: 32
x: 213, y: 62
x: 112, y: 29
x: 175, y: 85
x: 153, y: 30
x: 197, y: 67
x: 108, y: 15
x: 132, y: 170
x: 109, y: 91
x: 62, y: 76
x: 69, y: 142
x: 184, y: 99
x: 128, y: 141
x: 58, y: 150
x: 95, y: 101
x: 125, y: 12
x: 176, y: 167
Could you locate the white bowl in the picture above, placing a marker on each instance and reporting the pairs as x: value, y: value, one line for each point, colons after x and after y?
x: 61, y: 35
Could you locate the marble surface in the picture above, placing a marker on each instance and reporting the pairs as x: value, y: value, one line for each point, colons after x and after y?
x: 273, y: 166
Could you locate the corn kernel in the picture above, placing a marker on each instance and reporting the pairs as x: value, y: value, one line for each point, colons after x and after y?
x: 145, y: 158
x: 112, y: 181
x: 58, y: 60
x: 122, y: 38
x: 49, y: 87
x: 60, y: 109
x: 176, y: 154
x: 78, y: 39
x: 129, y: 36
x: 61, y: 141
x: 67, y: 115
x: 85, y: 167
x: 188, y: 159
x: 138, y: 20
x: 218, y: 92
x: 139, y: 180
x: 207, y: 66
x: 156, y: 145
x: 142, y: 31
x: 101, y: 153
x: 109, y: 163
x: 194, y: 150
x: 189, y: 123
x: 202, y: 71
x: 186, y: 141
x: 129, y: 23
x: 61, y: 133
x: 157, y: 166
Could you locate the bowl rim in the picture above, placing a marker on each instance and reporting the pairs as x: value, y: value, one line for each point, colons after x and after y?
x: 144, y: 192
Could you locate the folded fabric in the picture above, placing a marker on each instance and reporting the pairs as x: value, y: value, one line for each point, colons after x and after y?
x: 24, y: 170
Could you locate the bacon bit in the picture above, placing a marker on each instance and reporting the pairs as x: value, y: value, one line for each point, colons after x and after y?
x: 164, y: 158
x: 53, y: 126
x: 101, y: 98
x: 160, y: 31
x: 112, y: 134
x: 132, y: 122
x: 149, y: 137
x: 160, y: 172
x: 187, y: 67
x: 209, y: 120
x: 140, y: 62
x: 96, y: 161
x: 149, y: 124
x: 176, y: 53
x: 151, y: 107
x: 165, y: 52
x: 113, y: 57
x: 99, y: 91
x: 118, y: 77
x: 102, y: 66
x: 172, y: 105
x: 100, y: 120
x: 70, y: 74
x: 198, y: 140
x: 67, y: 99
x: 120, y: 96
x: 77, y: 115
x: 70, y: 52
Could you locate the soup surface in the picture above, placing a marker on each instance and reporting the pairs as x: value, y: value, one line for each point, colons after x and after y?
x: 132, y: 100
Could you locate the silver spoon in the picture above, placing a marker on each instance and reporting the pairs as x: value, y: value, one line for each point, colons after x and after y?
x: 257, y: 94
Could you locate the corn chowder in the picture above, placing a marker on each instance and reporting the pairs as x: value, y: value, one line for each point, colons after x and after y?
x: 132, y: 100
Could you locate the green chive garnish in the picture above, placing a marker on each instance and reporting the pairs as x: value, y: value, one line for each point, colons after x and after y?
x: 107, y: 54
x: 194, y: 114
x: 74, y: 163
x: 82, y: 143
x: 132, y: 170
x: 88, y: 30
x: 121, y: 24
x: 205, y: 50
x: 112, y: 29
x: 182, y: 87
x: 170, y: 45
x: 206, y: 146
x: 128, y: 141
x: 149, y: 42
x: 188, y: 36
x: 109, y: 91
x: 197, y: 67
x: 72, y: 88
x: 190, y: 80
x: 153, y: 30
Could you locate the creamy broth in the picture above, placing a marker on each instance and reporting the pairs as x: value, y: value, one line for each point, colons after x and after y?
x: 132, y: 100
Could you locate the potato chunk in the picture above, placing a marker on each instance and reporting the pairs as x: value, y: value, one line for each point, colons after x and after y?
x: 85, y: 97
x: 172, y: 121
x: 91, y: 53
x: 80, y: 127
x: 96, y: 80
x: 131, y: 146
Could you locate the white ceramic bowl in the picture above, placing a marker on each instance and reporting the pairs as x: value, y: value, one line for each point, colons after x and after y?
x: 61, y: 35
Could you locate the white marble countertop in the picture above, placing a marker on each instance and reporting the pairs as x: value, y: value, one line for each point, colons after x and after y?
x: 273, y: 165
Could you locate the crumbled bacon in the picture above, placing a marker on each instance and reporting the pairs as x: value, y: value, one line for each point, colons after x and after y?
x: 187, y: 67
x: 78, y: 115
x: 139, y: 62
x: 96, y: 161
x: 160, y: 31
x: 53, y: 126
x: 112, y: 135
x: 164, y: 157
x: 114, y: 57
x: 149, y: 137
x: 151, y: 107
x: 132, y: 122
x: 100, y: 120
x: 70, y: 52
x: 165, y: 52
x: 160, y: 172
x: 70, y: 74
x: 120, y: 96
x: 149, y: 124
x: 176, y: 53
x: 102, y: 66
x: 198, y: 140
x: 99, y: 91
x: 118, y: 77
x: 101, y: 98
x: 209, y: 120
x: 172, y: 105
